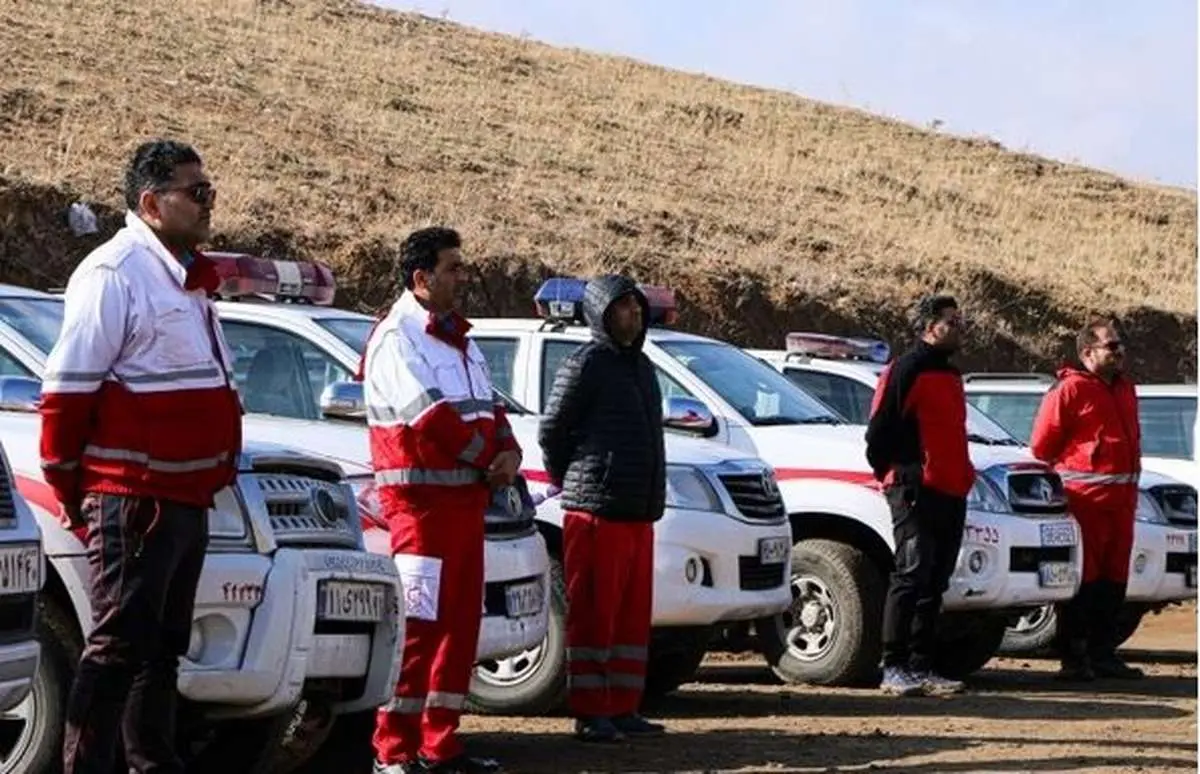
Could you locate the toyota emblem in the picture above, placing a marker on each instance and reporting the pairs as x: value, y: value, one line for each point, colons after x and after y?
x: 770, y: 488
x: 324, y: 506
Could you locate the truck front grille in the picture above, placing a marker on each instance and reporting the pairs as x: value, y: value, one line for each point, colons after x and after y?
x: 8, y: 512
x: 308, y: 511
x: 1027, y: 559
x: 756, y: 495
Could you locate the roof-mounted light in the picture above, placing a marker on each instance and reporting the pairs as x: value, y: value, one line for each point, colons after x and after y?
x: 299, y: 281
x: 560, y: 300
x: 837, y: 347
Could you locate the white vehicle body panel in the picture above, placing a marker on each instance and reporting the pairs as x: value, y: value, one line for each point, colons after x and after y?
x: 823, y: 470
x: 1149, y: 580
x: 20, y: 540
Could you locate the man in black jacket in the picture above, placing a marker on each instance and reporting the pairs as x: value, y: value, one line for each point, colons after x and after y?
x: 602, y: 443
x: 917, y: 446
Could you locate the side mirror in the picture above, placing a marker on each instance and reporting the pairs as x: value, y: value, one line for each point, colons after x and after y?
x: 344, y: 400
x: 688, y: 415
x: 20, y: 393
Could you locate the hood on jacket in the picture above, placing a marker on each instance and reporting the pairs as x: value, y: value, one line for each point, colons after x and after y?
x: 1072, y: 371
x: 604, y: 291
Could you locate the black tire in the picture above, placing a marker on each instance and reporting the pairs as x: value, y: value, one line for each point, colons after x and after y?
x: 61, y: 644
x: 675, y: 656
x: 968, y: 646
x: 347, y: 748
x: 541, y: 685
x: 845, y: 652
x: 1033, y: 634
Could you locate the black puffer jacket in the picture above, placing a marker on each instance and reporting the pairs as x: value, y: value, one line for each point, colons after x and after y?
x: 602, y: 432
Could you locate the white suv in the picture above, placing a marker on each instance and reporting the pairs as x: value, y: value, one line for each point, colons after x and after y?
x: 22, y: 569
x: 1164, y: 554
x: 840, y: 521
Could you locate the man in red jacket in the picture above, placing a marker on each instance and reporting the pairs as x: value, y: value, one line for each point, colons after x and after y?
x: 141, y: 427
x: 917, y: 446
x: 1087, y: 428
x: 440, y: 443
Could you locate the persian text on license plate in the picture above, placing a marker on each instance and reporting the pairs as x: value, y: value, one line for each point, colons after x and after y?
x: 20, y: 570
x: 351, y: 601
x: 1058, y: 534
x: 1053, y: 575
x: 774, y: 550
x: 524, y: 599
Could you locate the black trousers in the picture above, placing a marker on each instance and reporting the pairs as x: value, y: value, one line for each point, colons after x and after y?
x: 146, y: 556
x: 928, y: 529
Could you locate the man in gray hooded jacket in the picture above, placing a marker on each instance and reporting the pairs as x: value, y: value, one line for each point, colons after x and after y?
x: 602, y: 443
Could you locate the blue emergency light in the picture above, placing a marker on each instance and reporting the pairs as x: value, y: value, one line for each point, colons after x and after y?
x: 560, y: 300
x: 821, y: 345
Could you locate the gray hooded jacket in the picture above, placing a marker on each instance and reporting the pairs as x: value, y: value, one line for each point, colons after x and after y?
x: 602, y: 433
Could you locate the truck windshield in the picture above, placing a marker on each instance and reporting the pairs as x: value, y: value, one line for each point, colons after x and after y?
x: 758, y: 392
x: 353, y: 331
x: 37, y: 320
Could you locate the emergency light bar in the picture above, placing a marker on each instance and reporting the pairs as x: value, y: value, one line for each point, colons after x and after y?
x: 560, y: 300
x: 837, y: 347
x: 248, y: 275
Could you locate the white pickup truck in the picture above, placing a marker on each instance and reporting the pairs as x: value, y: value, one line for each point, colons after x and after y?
x: 22, y: 568
x: 296, y: 626
x: 720, y: 550
x: 1020, y: 548
x: 1164, y: 551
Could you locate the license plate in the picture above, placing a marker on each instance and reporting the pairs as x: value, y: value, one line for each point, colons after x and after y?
x: 773, y: 550
x: 1191, y: 576
x: 524, y: 599
x: 1056, y: 574
x: 350, y: 601
x: 20, y: 570
x: 1058, y: 535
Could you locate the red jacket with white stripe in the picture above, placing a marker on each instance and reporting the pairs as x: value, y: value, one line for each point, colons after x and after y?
x: 435, y: 423
x: 1089, y: 431
x: 138, y: 395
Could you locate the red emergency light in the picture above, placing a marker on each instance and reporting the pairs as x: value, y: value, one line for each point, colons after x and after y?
x: 822, y: 345
x: 299, y: 281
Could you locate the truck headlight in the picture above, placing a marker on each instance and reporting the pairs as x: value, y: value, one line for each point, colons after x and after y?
x: 688, y: 488
x: 984, y: 497
x: 1148, y: 510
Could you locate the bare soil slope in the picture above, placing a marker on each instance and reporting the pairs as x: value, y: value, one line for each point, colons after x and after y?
x: 332, y: 128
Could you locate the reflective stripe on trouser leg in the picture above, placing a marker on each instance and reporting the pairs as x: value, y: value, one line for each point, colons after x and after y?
x: 398, y: 724
x: 627, y: 667
x: 589, y: 628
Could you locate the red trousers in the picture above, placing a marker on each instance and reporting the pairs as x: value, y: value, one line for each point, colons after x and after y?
x: 440, y: 559
x: 1107, y: 542
x: 609, y: 568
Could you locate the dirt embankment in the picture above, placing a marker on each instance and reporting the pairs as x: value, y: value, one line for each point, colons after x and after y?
x: 1016, y: 328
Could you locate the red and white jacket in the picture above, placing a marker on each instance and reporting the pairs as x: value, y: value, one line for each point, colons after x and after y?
x: 435, y: 424
x: 138, y: 395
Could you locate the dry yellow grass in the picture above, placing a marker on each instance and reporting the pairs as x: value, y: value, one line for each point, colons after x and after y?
x: 332, y: 128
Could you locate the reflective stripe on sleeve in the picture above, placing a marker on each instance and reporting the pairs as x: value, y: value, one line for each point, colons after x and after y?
x: 1079, y: 477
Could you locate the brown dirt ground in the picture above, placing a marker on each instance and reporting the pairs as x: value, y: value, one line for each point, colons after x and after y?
x: 1015, y: 719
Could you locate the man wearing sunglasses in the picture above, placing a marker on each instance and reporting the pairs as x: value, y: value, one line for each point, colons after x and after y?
x: 141, y: 426
x: 1087, y: 428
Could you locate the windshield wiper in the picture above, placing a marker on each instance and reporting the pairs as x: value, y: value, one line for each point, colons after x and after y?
x: 822, y: 419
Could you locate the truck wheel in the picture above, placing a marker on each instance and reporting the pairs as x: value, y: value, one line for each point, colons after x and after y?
x: 969, y: 645
x: 1032, y: 633
x: 31, y: 735
x: 831, y: 634
x: 675, y: 656
x: 533, y: 682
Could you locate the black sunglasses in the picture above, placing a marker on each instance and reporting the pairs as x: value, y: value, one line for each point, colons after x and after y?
x: 1111, y: 346
x: 200, y: 193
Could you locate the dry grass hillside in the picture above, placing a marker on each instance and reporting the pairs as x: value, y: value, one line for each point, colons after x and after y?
x: 331, y: 128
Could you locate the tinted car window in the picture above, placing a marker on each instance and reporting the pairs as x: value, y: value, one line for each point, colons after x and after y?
x: 501, y: 356
x: 1168, y: 424
x: 278, y: 372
